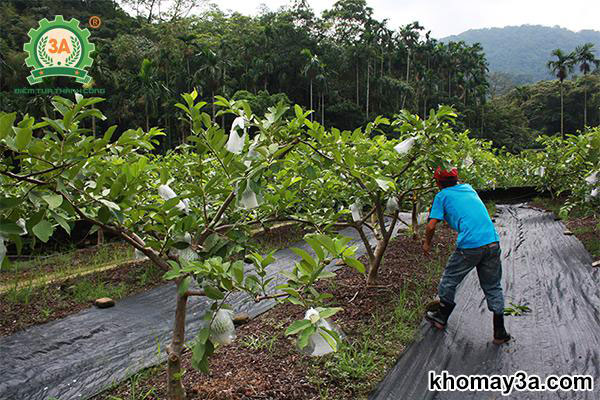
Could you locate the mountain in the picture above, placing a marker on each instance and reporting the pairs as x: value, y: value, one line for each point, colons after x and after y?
x: 523, y: 51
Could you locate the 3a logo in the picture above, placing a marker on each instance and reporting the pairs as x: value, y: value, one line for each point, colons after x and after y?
x: 58, y: 48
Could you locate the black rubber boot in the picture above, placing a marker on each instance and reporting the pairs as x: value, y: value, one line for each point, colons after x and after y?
x: 500, y: 334
x: 439, y: 318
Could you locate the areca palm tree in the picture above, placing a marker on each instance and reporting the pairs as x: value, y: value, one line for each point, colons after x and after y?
x: 311, y: 69
x: 561, y: 67
x: 585, y: 57
x: 148, y: 86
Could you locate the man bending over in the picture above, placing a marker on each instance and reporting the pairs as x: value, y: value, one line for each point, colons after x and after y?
x: 477, y: 246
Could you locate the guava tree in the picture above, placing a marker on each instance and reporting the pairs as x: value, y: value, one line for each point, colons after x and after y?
x: 188, y: 211
x: 360, y: 179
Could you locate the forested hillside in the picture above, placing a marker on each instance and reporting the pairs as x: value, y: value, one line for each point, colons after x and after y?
x: 522, y: 51
x: 345, y: 64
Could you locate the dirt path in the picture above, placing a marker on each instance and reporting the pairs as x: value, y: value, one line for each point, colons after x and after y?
x: 79, y: 356
x: 561, y: 335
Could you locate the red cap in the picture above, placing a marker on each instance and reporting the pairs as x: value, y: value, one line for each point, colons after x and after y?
x: 445, y: 174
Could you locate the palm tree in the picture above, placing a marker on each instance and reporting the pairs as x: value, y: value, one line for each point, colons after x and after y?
x: 585, y: 57
x: 311, y: 69
x: 148, y: 86
x: 561, y: 67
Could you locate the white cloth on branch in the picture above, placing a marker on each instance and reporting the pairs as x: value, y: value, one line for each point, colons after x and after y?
x: 317, y: 345
x: 249, y: 200
x: 235, y: 143
x: 222, y: 330
x: 355, y: 209
x: 167, y: 193
x: 21, y: 223
x: 392, y: 205
x: 405, y: 146
x: 252, y: 153
x: 540, y: 171
x: 467, y: 162
x: 2, y: 250
x: 592, y: 179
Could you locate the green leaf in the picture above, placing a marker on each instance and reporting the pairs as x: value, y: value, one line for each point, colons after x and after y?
x: 43, y: 230
x: 181, y: 245
x: 237, y: 270
x: 9, y: 202
x: 213, y: 292
x: 23, y: 137
x: 354, y: 263
x: 53, y: 200
x: 316, y: 246
x: 305, y: 335
x: 305, y: 256
x: 328, y: 312
x: 10, y: 229
x: 297, y: 326
x: 62, y: 222
x: 328, y: 335
x: 184, y: 285
x: 6, y: 123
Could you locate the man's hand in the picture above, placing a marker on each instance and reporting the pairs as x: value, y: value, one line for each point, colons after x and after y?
x: 429, y: 231
x: 426, y: 248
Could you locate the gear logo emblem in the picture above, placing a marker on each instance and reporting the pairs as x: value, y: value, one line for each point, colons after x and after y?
x: 58, y: 48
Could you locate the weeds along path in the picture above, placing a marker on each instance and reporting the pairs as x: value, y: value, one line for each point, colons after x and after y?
x: 83, y: 354
x: 546, y: 270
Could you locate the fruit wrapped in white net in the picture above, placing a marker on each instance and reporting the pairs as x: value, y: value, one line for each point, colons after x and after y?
x: 235, y: 143
x: 405, y: 146
x: 317, y: 344
x: 249, y: 200
x: 356, y: 209
x: 540, y: 171
x: 392, y: 205
x: 222, y: 330
x: 166, y: 193
x: 592, y: 179
x: 2, y: 250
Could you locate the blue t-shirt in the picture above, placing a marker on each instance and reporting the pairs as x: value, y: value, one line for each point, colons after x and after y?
x: 463, y: 210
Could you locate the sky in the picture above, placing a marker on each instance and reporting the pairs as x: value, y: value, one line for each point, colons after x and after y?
x: 451, y: 17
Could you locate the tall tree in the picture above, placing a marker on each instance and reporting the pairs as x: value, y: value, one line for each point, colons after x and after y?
x: 585, y: 57
x: 312, y: 68
x: 561, y: 67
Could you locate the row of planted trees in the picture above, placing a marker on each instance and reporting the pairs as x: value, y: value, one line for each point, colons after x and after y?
x: 190, y: 211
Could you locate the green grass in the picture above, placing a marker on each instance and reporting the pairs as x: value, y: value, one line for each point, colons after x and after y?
x: 88, y: 290
x: 260, y: 342
x: 362, y: 362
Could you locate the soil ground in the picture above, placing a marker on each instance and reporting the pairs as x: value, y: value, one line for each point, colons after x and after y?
x: 584, y: 224
x: 45, y: 289
x: 263, y: 364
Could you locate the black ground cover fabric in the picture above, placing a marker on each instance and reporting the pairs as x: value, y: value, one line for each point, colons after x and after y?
x: 79, y: 356
x: 547, y: 270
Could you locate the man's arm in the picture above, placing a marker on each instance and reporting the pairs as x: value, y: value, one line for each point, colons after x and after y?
x: 429, y: 231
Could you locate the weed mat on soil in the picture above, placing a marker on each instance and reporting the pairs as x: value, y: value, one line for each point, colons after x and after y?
x: 82, y: 354
x: 544, y: 269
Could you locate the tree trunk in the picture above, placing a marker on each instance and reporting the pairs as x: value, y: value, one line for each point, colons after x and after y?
x: 311, y: 101
x: 407, y: 65
x: 376, y: 261
x: 94, y: 122
x: 175, y: 388
x: 213, y: 107
x: 147, y: 118
x: 368, y: 87
x: 323, y: 109
x: 562, y: 131
x: 584, y: 104
x: 357, y: 105
x: 100, y: 240
x: 415, y: 218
